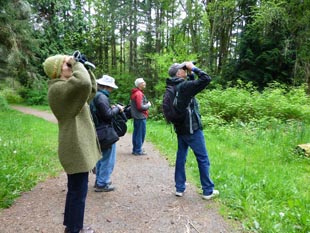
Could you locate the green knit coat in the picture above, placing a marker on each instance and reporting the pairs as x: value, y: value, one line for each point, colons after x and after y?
x: 78, y: 147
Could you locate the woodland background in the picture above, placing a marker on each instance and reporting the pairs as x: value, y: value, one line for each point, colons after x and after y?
x: 252, y: 41
x: 255, y: 111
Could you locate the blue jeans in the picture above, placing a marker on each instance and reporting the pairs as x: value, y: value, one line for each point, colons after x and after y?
x: 105, y: 166
x: 138, y: 135
x: 196, y: 142
x: 75, y: 201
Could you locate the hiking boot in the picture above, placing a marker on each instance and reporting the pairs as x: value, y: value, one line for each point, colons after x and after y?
x: 212, y: 195
x: 106, y: 188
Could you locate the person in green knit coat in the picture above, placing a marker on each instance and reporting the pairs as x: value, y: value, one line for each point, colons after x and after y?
x: 70, y: 90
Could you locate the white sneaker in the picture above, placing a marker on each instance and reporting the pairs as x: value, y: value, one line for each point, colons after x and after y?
x: 212, y: 195
x: 179, y: 194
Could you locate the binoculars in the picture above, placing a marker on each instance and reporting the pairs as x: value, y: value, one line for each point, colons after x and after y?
x: 82, y: 58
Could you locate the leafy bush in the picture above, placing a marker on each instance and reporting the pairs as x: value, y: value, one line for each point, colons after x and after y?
x: 37, y: 94
x: 245, y: 104
x: 11, y: 96
x: 36, y: 97
x: 3, y: 104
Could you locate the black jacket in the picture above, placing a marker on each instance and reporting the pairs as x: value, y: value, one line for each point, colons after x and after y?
x: 104, y: 112
x: 187, y: 89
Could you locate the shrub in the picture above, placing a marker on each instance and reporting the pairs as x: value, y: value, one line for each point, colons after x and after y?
x: 11, y: 96
x: 244, y: 104
x: 3, y: 104
x: 37, y: 94
x: 36, y: 97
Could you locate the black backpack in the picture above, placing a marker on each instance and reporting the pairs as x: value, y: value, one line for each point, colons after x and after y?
x: 127, y: 111
x: 170, y: 99
x: 119, y: 124
x: 118, y: 121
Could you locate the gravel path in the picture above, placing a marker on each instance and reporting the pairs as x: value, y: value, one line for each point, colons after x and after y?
x: 143, y: 201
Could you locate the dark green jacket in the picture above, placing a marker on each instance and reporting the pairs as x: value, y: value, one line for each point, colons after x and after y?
x: 78, y: 148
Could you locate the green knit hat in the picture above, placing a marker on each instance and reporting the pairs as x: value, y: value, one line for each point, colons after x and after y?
x: 52, y: 66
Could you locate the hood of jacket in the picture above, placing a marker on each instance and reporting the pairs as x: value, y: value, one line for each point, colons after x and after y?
x: 135, y: 90
x: 174, y: 81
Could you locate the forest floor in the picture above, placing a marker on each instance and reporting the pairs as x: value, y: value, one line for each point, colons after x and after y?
x: 143, y: 201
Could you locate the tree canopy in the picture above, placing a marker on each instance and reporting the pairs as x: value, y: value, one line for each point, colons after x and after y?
x: 250, y: 40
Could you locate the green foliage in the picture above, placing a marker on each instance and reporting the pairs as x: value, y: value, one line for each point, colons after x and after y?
x: 36, y: 97
x: 36, y: 94
x: 11, y: 96
x: 28, y: 154
x: 255, y: 41
x: 17, y: 42
x: 261, y: 178
x: 3, y: 104
x: 266, y: 52
x: 245, y: 104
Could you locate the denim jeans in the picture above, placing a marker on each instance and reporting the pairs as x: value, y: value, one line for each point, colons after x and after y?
x: 105, y: 166
x: 196, y: 142
x: 75, y: 201
x: 138, y: 135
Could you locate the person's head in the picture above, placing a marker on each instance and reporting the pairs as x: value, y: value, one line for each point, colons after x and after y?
x: 178, y: 70
x: 58, y: 66
x: 106, y: 82
x: 140, y: 83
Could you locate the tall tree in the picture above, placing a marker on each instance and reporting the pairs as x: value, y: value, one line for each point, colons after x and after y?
x: 271, y: 56
x: 17, y: 46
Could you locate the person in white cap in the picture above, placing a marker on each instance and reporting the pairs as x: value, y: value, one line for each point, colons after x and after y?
x: 139, y: 112
x: 104, y: 114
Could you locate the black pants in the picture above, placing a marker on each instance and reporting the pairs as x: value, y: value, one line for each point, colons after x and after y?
x: 75, y: 201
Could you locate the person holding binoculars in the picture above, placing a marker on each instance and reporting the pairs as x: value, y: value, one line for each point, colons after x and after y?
x: 71, y: 87
x: 189, y: 129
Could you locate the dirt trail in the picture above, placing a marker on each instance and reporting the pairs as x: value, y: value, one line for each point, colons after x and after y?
x: 143, y: 201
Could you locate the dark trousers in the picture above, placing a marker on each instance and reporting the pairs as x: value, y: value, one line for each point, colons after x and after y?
x: 138, y: 135
x: 75, y: 201
x: 197, y: 143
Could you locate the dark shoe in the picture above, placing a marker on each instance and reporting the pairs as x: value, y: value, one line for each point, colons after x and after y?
x: 84, y: 230
x: 139, y: 154
x: 95, y: 185
x: 107, y: 188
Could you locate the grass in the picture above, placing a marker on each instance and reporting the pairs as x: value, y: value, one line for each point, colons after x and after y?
x: 263, y: 182
x: 28, y: 154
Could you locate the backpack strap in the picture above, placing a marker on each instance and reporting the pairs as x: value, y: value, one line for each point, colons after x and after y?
x: 93, y: 109
x: 178, y: 98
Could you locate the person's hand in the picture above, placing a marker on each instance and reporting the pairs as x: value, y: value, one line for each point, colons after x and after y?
x: 149, y: 104
x: 189, y: 65
x: 71, y: 60
x: 82, y: 58
x: 121, y: 108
